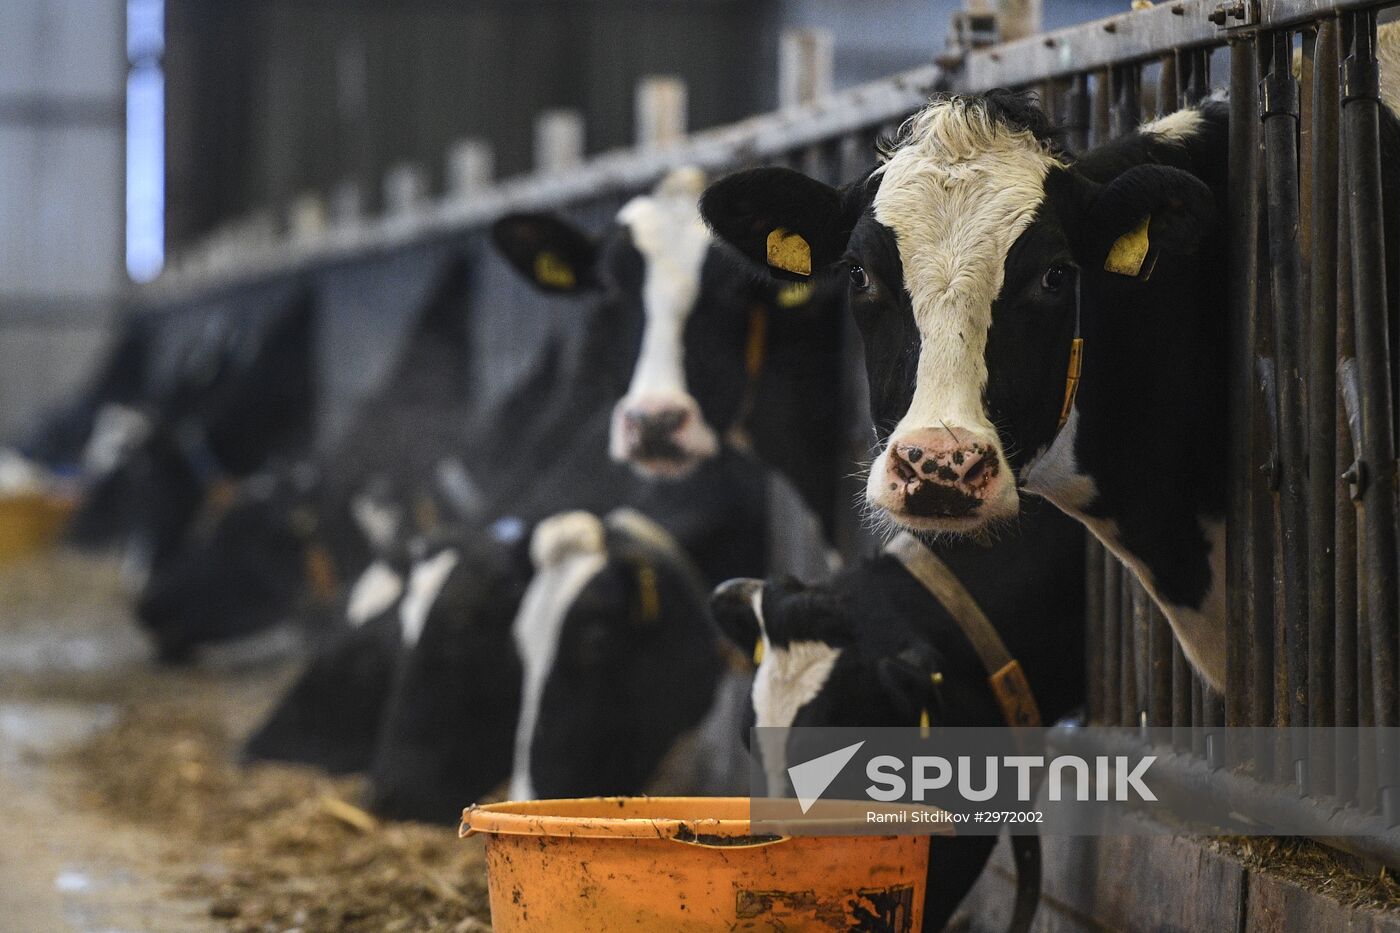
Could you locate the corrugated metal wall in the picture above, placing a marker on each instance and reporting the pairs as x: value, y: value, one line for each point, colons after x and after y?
x: 62, y: 81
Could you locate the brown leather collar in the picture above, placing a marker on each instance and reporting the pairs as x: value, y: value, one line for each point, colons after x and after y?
x: 1004, y: 676
x: 1004, y: 673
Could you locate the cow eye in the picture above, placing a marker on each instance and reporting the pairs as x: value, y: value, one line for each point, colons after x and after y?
x: 860, y: 281
x: 1056, y: 277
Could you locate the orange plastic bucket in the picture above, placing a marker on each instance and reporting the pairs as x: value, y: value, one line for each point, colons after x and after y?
x: 687, y: 864
x: 30, y: 522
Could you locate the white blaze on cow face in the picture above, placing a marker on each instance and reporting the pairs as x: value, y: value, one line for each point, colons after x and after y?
x: 956, y: 195
x: 373, y: 593
x: 788, y: 678
x: 657, y: 426
x: 378, y: 520
x: 116, y: 429
x: 568, y: 552
x: 425, y: 583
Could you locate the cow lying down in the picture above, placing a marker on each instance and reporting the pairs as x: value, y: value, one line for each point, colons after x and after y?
x: 866, y: 648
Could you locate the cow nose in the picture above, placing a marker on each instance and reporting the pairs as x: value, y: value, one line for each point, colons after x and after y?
x: 654, y: 433
x: 940, y: 473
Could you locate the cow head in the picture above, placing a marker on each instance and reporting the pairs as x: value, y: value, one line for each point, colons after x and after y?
x: 974, y: 255
x: 612, y: 607
x: 446, y: 732
x: 244, y: 567
x: 689, y: 327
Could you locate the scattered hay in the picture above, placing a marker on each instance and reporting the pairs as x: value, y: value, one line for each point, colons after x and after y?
x: 1316, y: 868
x: 294, y: 851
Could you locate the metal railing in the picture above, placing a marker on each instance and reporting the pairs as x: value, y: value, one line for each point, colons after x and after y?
x: 1312, y: 536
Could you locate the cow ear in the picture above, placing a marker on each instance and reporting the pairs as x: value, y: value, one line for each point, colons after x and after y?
x: 908, y: 679
x: 1147, y: 211
x: 735, y: 607
x: 547, y: 251
x: 779, y: 219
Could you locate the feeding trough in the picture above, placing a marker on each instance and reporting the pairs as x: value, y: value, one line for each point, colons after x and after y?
x: 690, y: 864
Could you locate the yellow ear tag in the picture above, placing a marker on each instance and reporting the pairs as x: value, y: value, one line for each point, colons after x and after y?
x: 789, y: 252
x: 1127, y: 255
x: 552, y: 271
x: 758, y: 652
x: 648, y: 595
x: 936, y: 678
x: 794, y: 294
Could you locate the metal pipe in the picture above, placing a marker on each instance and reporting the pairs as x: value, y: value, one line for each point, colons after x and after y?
x: 1078, y: 114
x: 1168, y: 87
x: 1125, y: 82
x: 1361, y: 129
x: 1112, y: 642
x: 1278, y: 108
x: 1094, y: 628
x: 1193, y: 73
x: 1159, y: 710
x: 1181, y: 699
x: 1344, y: 597
x: 1127, y: 685
x: 1241, y: 578
x: 1322, y: 390
x: 1102, y: 103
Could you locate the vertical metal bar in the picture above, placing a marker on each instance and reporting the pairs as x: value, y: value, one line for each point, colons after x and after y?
x: 1078, y: 114
x: 1102, y: 101
x: 1168, y: 86
x: 1159, y: 709
x: 1181, y: 699
x: 1127, y: 620
x: 1125, y: 82
x: 1241, y: 538
x: 1094, y: 629
x: 1322, y: 394
x: 1198, y: 717
x: 1112, y: 644
x: 1193, y: 74
x: 1278, y: 108
x: 1345, y: 596
x: 1361, y: 126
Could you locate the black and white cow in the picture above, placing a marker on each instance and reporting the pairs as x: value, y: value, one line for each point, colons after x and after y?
x: 58, y: 442
x: 619, y: 656
x: 297, y: 533
x: 976, y: 255
x: 709, y: 352
x: 872, y: 647
x: 250, y: 399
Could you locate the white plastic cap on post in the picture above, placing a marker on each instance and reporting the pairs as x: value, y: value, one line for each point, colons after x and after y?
x: 307, y: 217
x: 661, y: 117
x: 471, y: 164
x: 806, y: 66
x: 558, y: 141
x: 1018, y: 18
x: 404, y: 189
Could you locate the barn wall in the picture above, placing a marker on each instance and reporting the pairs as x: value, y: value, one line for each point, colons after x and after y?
x: 272, y: 98
x: 61, y: 196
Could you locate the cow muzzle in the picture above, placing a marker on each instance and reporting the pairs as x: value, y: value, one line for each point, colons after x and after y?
x: 662, y: 436
x: 942, y: 479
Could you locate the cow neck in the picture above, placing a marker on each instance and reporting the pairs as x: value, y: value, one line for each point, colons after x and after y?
x: 755, y: 356
x: 1004, y: 674
x: 1006, y: 679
